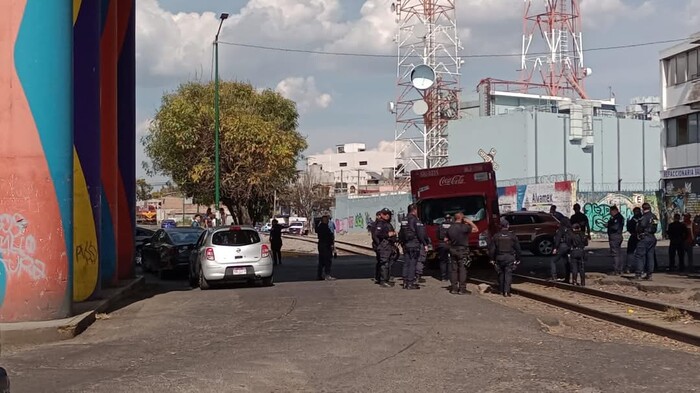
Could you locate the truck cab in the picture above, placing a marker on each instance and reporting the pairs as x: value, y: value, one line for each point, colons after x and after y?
x: 470, y: 189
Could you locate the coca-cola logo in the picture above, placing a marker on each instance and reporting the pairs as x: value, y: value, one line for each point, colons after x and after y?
x: 451, y: 180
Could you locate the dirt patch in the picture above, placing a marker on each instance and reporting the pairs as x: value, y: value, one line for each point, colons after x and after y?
x: 564, y: 323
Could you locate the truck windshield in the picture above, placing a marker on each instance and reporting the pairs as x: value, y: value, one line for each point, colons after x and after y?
x: 433, y: 211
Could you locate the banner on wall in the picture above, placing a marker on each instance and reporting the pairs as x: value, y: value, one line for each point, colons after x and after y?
x: 538, y: 197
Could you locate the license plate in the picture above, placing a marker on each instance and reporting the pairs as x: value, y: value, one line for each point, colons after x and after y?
x: 239, y: 270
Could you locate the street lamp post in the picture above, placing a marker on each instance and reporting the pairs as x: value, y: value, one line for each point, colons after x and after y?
x: 217, y: 165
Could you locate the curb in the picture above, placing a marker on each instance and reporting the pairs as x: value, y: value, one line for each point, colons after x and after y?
x: 42, y: 332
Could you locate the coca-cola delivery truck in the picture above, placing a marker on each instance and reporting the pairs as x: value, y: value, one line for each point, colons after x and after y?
x: 470, y: 189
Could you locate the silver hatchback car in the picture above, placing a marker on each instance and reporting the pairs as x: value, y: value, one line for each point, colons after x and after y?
x: 234, y: 253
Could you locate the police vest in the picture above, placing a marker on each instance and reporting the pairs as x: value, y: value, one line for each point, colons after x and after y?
x: 504, y: 244
x: 406, y: 233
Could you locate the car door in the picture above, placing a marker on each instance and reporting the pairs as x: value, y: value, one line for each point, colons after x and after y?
x: 524, y: 227
x: 197, y: 253
x: 165, y: 251
x: 148, y: 250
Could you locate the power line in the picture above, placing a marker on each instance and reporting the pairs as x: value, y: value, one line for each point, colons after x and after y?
x: 483, y: 55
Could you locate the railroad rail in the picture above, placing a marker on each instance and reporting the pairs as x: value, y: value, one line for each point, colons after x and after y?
x: 675, y: 322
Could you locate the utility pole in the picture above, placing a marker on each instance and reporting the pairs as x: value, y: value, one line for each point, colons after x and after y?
x: 217, y: 164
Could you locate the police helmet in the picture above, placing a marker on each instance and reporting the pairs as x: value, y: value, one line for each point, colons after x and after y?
x: 385, y: 211
x: 504, y: 223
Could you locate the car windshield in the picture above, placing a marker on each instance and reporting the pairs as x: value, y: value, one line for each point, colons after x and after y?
x: 433, y: 211
x: 184, y: 237
x: 235, y: 238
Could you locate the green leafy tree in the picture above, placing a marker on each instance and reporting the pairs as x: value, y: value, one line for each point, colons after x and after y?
x: 143, y: 190
x: 260, y: 145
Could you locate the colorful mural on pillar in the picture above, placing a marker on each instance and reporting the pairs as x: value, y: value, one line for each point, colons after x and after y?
x: 36, y: 188
x: 538, y: 197
x: 86, y: 164
x: 109, y: 143
x: 126, y: 134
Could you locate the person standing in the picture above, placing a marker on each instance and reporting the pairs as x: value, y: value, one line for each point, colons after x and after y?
x: 375, y: 243
x: 326, y: 239
x: 677, y: 235
x: 582, y: 221
x: 504, y: 250
x: 386, y: 239
x: 276, y: 242
x: 197, y: 221
x: 615, y: 226
x: 444, y: 249
x: 631, y: 262
x: 561, y: 250
x: 577, y: 242
x: 413, y: 238
x: 690, y: 239
x: 458, y: 237
x: 646, y: 248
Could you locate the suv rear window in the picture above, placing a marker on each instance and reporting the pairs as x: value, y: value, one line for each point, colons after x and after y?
x: 235, y: 238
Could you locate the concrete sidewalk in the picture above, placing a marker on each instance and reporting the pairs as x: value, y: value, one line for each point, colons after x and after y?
x: 85, y: 313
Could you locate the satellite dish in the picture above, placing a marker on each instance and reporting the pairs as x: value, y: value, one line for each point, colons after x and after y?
x: 420, y: 107
x: 422, y: 77
x: 587, y: 72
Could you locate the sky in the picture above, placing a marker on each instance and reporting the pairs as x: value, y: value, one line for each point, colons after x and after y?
x: 344, y: 99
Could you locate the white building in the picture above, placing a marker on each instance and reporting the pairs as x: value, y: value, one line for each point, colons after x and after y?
x: 353, y: 166
x: 680, y: 112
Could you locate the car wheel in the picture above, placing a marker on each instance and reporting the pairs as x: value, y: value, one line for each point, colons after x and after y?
x: 268, y: 281
x: 544, y: 246
x: 203, y: 283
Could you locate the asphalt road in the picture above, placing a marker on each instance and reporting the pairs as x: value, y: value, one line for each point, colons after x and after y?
x: 342, y: 336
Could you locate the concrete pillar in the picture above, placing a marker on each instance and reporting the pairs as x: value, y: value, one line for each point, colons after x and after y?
x: 126, y: 120
x: 87, y: 186
x: 108, y: 142
x: 36, y: 152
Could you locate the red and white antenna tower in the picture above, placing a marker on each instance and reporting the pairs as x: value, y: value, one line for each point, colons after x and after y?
x: 558, y: 57
x: 428, y: 72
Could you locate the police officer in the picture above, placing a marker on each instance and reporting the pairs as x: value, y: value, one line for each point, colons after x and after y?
x: 561, y: 250
x: 458, y: 237
x: 375, y: 244
x: 326, y: 240
x: 385, y: 236
x: 631, y: 262
x: 504, y: 250
x: 413, y: 238
x: 444, y: 249
x: 615, y: 226
x: 646, y: 248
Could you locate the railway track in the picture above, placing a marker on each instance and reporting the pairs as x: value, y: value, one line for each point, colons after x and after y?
x: 678, y: 323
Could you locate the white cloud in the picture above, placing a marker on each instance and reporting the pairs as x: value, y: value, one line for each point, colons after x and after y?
x: 304, y: 92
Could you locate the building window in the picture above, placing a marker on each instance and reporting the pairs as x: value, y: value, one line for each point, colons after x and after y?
x: 343, y: 164
x: 363, y: 162
x: 671, y: 133
x: 693, y: 130
x: 671, y: 72
x: 682, y: 124
x: 681, y: 67
x: 692, y: 64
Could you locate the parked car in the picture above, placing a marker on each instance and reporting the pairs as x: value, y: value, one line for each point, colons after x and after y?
x: 168, y: 223
x: 236, y: 253
x: 142, y: 236
x: 534, y: 230
x: 169, y: 250
x: 266, y: 228
x: 285, y: 228
x: 298, y: 228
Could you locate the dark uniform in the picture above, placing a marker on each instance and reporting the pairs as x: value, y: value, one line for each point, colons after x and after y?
x: 631, y: 263
x: 562, y: 246
x: 646, y: 248
x: 616, y: 224
x: 370, y: 228
x: 276, y: 243
x: 326, y: 239
x: 458, y: 235
x: 444, y: 249
x: 577, y: 242
x: 504, y: 250
x: 413, y: 238
x: 386, y: 246
x: 581, y: 219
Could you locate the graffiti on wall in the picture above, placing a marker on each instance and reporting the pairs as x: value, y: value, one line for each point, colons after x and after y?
x: 598, y: 209
x: 18, y: 249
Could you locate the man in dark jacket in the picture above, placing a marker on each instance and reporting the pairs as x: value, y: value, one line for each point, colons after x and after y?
x: 385, y: 237
x: 413, y: 238
x: 370, y: 228
x: 276, y: 242
x: 646, y: 248
x: 444, y: 249
x: 631, y: 262
x: 615, y: 226
x: 326, y: 239
x: 458, y: 239
x: 504, y: 250
x: 582, y: 221
x: 677, y: 234
x: 561, y: 250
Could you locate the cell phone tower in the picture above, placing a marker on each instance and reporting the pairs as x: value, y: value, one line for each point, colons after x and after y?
x: 552, y: 47
x: 428, y: 70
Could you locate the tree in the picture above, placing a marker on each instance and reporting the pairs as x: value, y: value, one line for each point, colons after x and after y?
x: 259, y: 141
x: 143, y: 190
x: 307, y: 196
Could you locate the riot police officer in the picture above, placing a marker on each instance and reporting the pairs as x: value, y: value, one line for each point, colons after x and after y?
x: 646, y: 247
x: 370, y: 228
x: 458, y: 237
x: 561, y: 250
x: 444, y: 249
x: 385, y: 237
x: 504, y: 250
x: 413, y: 238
